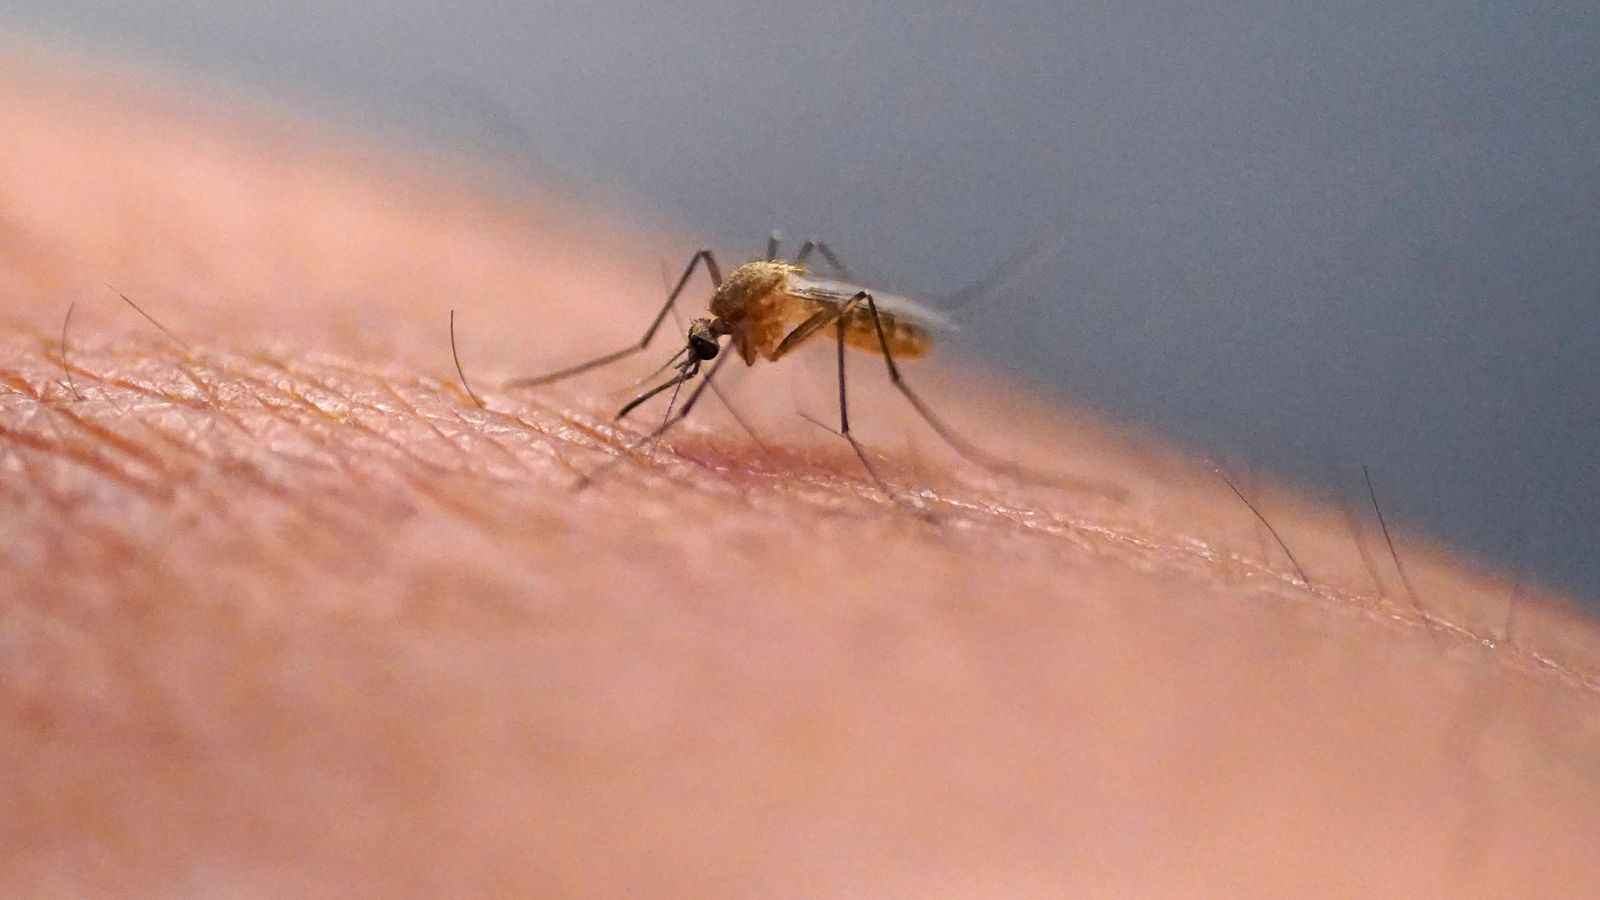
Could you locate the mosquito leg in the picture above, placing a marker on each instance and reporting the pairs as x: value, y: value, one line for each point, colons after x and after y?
x: 739, y: 418
x: 844, y: 419
x: 703, y: 256
x: 839, y: 318
x: 772, y: 244
x: 803, y: 332
x: 687, y: 373
x: 958, y: 443
x: 717, y: 388
x: 694, y: 396
x: 841, y: 268
x: 954, y: 440
x: 827, y: 254
x: 665, y: 426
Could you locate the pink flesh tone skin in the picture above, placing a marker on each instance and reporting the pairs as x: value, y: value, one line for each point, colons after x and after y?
x: 282, y: 612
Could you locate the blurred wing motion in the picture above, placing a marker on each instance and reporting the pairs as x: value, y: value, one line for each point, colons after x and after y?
x: 892, y: 306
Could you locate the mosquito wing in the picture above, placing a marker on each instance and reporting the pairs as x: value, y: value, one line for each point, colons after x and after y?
x: 836, y: 293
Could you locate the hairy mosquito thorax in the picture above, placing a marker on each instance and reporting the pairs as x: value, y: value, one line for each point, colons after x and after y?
x: 754, y: 308
x: 758, y: 311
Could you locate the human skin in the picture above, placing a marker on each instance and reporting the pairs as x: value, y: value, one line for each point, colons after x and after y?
x: 283, y: 612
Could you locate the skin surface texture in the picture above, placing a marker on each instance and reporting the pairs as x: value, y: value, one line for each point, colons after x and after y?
x: 283, y: 613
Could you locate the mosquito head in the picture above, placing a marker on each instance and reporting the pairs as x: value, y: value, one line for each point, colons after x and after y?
x: 703, y: 338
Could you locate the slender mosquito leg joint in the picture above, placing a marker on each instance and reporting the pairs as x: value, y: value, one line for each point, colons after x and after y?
x: 687, y: 373
x: 700, y: 257
x: 844, y: 409
x: 712, y: 268
x: 841, y: 268
x: 812, y: 244
x: 960, y: 444
x: 883, y: 339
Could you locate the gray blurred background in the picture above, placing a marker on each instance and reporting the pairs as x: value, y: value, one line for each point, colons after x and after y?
x: 1301, y: 236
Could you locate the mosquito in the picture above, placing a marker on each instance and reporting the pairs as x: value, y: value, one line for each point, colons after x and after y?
x: 767, y: 309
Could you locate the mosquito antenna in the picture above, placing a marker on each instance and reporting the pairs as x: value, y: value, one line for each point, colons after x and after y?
x: 65, y: 368
x: 1398, y: 566
x: 457, y: 357
x: 1270, y: 530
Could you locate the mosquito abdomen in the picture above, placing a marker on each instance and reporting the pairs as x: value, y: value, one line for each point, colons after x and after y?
x: 906, y: 340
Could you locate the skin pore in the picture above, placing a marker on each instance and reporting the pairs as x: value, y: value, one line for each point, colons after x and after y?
x: 283, y: 612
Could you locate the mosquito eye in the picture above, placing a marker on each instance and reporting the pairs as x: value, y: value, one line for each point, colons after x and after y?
x: 703, y: 348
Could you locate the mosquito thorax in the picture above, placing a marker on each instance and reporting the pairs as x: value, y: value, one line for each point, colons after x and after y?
x: 747, y: 286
